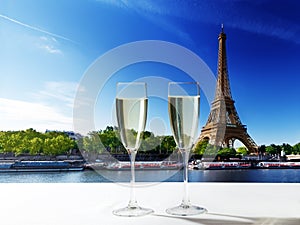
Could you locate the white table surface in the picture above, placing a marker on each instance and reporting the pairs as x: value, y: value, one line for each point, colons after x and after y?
x: 92, y: 204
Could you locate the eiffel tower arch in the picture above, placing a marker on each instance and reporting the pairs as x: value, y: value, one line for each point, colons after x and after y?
x: 223, y: 125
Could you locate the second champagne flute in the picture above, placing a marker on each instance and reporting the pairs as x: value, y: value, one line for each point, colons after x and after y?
x: 131, y: 111
x: 184, y: 100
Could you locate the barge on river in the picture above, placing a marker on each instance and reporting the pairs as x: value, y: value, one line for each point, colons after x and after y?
x: 220, y: 165
x: 41, y: 166
x: 145, y: 165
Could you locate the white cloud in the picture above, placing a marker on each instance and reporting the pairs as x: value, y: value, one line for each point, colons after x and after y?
x: 61, y: 93
x: 17, y: 115
x: 49, y: 108
x: 35, y: 28
x: 49, y: 45
x: 51, y: 49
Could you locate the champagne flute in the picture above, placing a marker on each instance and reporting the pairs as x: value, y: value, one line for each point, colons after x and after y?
x: 131, y: 111
x: 184, y: 99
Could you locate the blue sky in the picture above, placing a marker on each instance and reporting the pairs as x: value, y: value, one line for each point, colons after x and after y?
x: 46, y: 47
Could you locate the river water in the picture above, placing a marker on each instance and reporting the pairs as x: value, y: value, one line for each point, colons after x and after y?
x: 88, y: 176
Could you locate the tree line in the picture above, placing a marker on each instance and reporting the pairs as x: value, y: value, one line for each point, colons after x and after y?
x: 33, y: 142
x: 55, y: 143
x: 110, y: 141
x: 203, y: 147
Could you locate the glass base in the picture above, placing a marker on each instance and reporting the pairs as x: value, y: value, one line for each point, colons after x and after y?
x: 186, y: 210
x: 132, y: 211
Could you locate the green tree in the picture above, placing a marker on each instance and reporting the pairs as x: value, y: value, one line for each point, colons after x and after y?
x: 58, y: 145
x: 211, y: 150
x: 242, y: 151
x: 36, y: 146
x: 273, y: 149
x: 168, y: 144
x: 288, y: 149
x: 262, y: 149
x: 48, y: 147
x: 147, y: 134
x: 14, y: 143
x: 227, y: 152
x: 200, y: 147
x: 33, y: 142
x: 110, y: 139
x: 65, y: 144
x: 92, y: 143
x: 150, y: 142
x: 296, y: 148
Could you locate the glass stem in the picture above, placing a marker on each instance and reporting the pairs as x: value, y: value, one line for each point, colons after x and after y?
x: 185, y: 158
x: 132, y: 202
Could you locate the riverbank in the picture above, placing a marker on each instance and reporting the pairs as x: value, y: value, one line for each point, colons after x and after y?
x: 64, y: 163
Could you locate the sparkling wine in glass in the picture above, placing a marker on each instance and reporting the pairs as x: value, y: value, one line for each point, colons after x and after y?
x: 131, y: 111
x: 184, y: 100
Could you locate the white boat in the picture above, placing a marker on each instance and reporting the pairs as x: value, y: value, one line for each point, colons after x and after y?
x: 278, y: 165
x: 220, y: 165
x: 145, y: 165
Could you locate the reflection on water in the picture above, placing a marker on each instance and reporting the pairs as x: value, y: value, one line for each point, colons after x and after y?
x: 259, y: 175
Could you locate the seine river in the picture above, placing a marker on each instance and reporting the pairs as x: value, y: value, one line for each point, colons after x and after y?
x: 88, y: 176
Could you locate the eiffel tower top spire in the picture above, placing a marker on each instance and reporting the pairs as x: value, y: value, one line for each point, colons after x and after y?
x: 223, y: 86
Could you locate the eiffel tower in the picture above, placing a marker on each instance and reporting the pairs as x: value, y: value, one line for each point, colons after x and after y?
x: 224, y: 126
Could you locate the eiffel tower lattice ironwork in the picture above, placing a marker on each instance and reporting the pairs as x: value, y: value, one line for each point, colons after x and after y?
x: 224, y: 126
